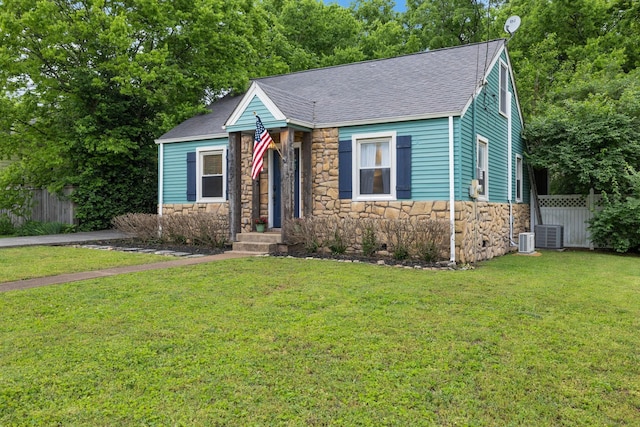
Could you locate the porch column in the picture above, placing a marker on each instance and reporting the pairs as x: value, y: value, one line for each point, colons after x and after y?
x: 288, y: 181
x: 235, y: 178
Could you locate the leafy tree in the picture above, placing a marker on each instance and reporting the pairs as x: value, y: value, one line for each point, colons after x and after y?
x: 382, y: 34
x: 89, y: 84
x: 445, y: 23
x: 315, y: 32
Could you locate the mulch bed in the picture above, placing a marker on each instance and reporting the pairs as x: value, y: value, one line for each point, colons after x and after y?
x: 206, y: 250
x: 379, y: 260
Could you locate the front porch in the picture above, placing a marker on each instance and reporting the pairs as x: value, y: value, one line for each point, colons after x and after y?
x: 281, y: 193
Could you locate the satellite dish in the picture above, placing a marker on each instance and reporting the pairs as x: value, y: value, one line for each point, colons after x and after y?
x: 512, y: 24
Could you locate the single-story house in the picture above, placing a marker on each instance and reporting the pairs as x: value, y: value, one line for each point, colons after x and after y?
x: 435, y: 134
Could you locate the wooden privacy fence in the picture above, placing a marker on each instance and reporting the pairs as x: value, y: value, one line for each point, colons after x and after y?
x: 572, y: 211
x: 47, y: 207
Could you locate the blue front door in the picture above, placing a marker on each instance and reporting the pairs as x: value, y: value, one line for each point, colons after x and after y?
x: 276, y: 181
x: 277, y: 196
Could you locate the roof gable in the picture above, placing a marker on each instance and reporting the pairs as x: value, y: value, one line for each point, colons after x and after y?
x: 254, y: 96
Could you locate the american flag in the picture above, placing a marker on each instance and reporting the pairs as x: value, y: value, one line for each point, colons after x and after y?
x: 261, y: 143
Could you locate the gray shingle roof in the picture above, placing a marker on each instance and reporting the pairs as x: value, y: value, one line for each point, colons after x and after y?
x: 207, y: 125
x: 439, y: 82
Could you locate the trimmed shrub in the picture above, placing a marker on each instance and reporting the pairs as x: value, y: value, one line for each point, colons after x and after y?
x: 144, y: 227
x: 369, y: 239
x: 196, y: 229
x: 431, y: 239
x: 404, y: 238
x: 306, y: 232
x: 398, y: 235
x: 342, y: 235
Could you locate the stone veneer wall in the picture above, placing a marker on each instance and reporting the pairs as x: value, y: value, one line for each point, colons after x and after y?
x: 187, y: 208
x: 482, y: 229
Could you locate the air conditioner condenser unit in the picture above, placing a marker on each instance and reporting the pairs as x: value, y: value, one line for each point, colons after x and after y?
x: 526, y: 243
x: 549, y: 236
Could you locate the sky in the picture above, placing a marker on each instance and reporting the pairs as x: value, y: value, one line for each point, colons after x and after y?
x: 400, y: 4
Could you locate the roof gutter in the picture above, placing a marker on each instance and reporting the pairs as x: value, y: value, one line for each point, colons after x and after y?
x: 191, y: 138
x: 383, y: 120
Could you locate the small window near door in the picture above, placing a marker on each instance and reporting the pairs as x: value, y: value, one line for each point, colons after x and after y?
x: 211, y: 175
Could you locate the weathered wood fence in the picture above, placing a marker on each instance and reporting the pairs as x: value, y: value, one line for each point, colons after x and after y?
x: 47, y: 207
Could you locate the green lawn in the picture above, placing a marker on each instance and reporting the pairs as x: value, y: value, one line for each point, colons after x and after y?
x: 520, y: 341
x: 38, y: 261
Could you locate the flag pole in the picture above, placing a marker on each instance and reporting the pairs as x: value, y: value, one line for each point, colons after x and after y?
x: 274, y: 146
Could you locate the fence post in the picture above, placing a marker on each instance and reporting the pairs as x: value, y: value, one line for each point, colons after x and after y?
x: 591, y: 198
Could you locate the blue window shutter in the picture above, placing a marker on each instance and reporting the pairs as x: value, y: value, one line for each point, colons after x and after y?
x: 344, y: 169
x: 403, y: 167
x: 191, y: 176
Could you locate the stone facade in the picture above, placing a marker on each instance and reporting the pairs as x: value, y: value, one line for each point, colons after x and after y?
x: 187, y: 208
x: 481, y: 228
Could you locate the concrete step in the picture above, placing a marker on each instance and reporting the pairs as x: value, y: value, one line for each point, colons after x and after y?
x: 258, y: 243
x: 268, y: 237
x: 255, y: 247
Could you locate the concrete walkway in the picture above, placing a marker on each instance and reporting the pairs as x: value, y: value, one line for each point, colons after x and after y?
x: 88, y: 237
x: 57, y: 239
x: 86, y: 275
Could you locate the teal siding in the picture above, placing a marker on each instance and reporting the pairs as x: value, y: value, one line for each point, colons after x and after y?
x: 467, y: 154
x: 175, y: 167
x: 429, y: 152
x: 459, y: 150
x: 247, y: 120
x: 518, y: 148
x: 484, y: 119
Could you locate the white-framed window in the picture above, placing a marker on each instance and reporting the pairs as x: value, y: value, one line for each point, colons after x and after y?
x: 504, y: 87
x: 374, y: 171
x: 482, y: 167
x: 211, y: 179
x: 519, y: 184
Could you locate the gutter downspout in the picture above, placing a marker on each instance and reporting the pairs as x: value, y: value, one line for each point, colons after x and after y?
x: 160, y: 185
x: 452, y: 195
x: 510, y: 167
